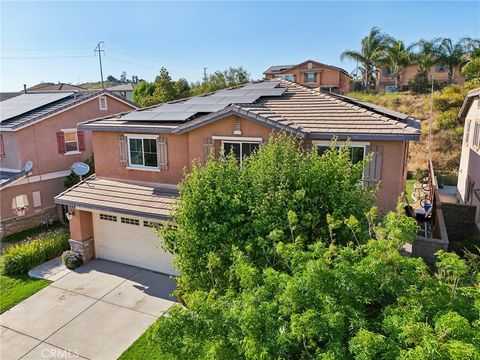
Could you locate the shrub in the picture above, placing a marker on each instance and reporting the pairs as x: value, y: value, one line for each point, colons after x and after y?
x: 422, y: 84
x: 18, y: 259
x: 451, y: 96
x: 72, y: 259
x: 447, y: 119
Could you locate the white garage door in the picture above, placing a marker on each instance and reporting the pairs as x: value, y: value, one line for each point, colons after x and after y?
x: 131, y: 241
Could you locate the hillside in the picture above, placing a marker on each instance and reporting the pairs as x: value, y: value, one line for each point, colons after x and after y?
x: 447, y: 131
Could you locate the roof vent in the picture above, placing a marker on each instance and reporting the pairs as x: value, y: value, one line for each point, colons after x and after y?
x: 309, y: 65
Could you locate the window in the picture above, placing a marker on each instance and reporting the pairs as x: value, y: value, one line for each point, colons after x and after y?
x: 108, y: 217
x: 129, y: 221
x: 310, y: 77
x: 2, y: 147
x: 441, y: 68
x: 37, y: 199
x: 476, y: 135
x: 357, y: 152
x: 239, y: 149
x: 390, y: 88
x: 103, y: 103
x: 467, y: 131
x: 288, y: 77
x: 142, y: 152
x: 71, y: 140
x: 20, y: 205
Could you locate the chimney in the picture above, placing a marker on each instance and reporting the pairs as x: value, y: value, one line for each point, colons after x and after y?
x: 25, y: 88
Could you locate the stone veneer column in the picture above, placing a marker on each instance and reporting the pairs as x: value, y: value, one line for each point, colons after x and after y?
x: 86, y: 248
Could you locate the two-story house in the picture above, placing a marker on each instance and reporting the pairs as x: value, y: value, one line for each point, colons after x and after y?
x: 41, y: 128
x: 141, y: 156
x: 469, y: 172
x: 312, y: 74
x: 386, y: 79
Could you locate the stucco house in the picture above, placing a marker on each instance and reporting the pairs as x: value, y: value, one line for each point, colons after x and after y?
x: 140, y: 157
x: 312, y: 74
x: 386, y: 79
x: 469, y: 172
x: 41, y: 127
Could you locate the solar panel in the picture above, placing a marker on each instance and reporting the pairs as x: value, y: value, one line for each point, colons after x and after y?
x: 24, y: 103
x: 239, y: 99
x: 173, y: 116
x: 203, y: 100
x: 139, y: 115
x: 267, y: 92
x: 233, y: 92
x: 177, y: 107
x: 206, y: 107
x: 262, y: 85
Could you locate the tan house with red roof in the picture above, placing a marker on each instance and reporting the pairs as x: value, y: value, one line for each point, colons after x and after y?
x: 312, y: 74
x: 141, y: 156
x: 40, y: 128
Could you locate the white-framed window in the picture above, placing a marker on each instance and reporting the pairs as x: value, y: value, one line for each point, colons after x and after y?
x: 240, y: 149
x: 102, y: 101
x: 288, y: 77
x: 142, y: 151
x: 310, y: 77
x: 476, y: 135
x: 20, y: 205
x: 71, y: 140
x: 467, y: 131
x: 37, y: 199
x: 357, y: 149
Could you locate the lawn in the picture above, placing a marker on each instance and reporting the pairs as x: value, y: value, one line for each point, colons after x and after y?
x: 142, y: 349
x: 409, y: 189
x: 15, y: 289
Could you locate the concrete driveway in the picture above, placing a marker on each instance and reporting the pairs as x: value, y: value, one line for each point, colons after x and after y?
x: 94, y: 312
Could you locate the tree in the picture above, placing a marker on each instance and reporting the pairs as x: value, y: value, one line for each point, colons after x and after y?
x: 73, y: 179
x: 397, y: 57
x: 221, y: 80
x: 452, y: 54
x: 280, y: 259
x: 426, y: 54
x: 371, y: 54
x: 123, y: 77
x: 471, y: 69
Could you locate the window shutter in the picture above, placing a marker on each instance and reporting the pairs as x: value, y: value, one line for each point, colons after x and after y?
x: 208, y: 144
x: 81, y: 140
x: 162, y: 153
x: 62, y: 149
x: 373, y: 172
x: 2, y: 147
x: 122, y: 147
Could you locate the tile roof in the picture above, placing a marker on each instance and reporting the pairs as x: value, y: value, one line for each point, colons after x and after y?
x: 123, y: 197
x: 468, y: 102
x: 299, y: 109
x: 55, y: 87
x: 122, y: 87
x: 275, y: 69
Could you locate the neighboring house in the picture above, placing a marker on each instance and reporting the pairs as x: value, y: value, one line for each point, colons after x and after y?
x: 124, y: 90
x: 312, y: 74
x: 469, y: 173
x: 46, y: 87
x: 42, y: 128
x: 439, y: 72
x: 141, y: 156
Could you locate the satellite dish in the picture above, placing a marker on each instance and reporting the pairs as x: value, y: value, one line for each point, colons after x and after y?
x: 28, y: 166
x: 80, y: 169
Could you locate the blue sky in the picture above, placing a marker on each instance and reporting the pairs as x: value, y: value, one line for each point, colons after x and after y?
x: 140, y: 37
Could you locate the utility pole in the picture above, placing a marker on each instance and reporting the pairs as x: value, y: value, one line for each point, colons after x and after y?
x: 205, y: 74
x: 99, y: 50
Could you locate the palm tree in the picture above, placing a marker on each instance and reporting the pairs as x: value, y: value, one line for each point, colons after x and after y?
x: 471, y: 69
x: 452, y: 54
x: 370, y: 55
x: 397, y: 57
x: 426, y: 54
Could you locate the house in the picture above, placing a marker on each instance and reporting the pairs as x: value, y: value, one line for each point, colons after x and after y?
x: 386, y: 79
x: 140, y: 157
x: 312, y: 74
x: 469, y: 172
x: 40, y: 127
x: 124, y: 90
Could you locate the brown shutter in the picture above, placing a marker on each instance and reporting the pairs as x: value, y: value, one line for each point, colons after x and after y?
x: 209, y: 146
x: 2, y: 147
x: 162, y: 153
x: 81, y: 140
x: 373, y: 172
x: 62, y: 149
x: 122, y: 147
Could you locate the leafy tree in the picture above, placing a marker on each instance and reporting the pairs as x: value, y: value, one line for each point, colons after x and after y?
x: 426, y: 54
x: 371, y: 54
x: 112, y: 79
x: 471, y: 70
x: 221, y: 80
x: 73, y: 179
x: 397, y: 57
x: 123, y: 77
x: 452, y: 54
x: 182, y: 88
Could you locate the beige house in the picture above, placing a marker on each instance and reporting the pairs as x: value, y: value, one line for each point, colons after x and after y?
x: 141, y: 156
x: 386, y: 80
x: 469, y: 172
x: 39, y: 142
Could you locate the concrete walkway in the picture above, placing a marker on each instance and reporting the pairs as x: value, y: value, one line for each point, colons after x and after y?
x: 94, y: 312
x: 51, y: 270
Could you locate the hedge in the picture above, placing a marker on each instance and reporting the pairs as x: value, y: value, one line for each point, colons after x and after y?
x: 19, y: 259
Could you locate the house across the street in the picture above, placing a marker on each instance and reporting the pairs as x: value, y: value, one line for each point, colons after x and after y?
x: 39, y: 142
x: 140, y: 157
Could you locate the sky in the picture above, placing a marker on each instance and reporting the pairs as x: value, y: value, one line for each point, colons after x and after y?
x: 54, y: 41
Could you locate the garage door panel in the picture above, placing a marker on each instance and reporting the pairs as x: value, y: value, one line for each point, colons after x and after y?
x: 131, y: 244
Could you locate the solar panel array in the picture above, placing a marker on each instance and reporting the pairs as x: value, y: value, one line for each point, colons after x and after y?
x: 24, y: 103
x: 183, y: 110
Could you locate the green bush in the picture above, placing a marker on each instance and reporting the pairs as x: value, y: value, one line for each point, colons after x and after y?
x: 451, y: 96
x: 20, y: 258
x: 72, y: 259
x: 447, y: 119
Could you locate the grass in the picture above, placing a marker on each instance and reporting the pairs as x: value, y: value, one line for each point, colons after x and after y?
x: 142, y: 348
x: 409, y: 189
x: 35, y: 232
x: 15, y: 289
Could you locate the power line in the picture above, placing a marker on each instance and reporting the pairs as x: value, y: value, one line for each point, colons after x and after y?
x: 99, y: 49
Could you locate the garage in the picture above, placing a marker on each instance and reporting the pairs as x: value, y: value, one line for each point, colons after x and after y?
x: 130, y: 240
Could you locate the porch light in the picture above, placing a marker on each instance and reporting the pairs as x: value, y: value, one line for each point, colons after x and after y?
x: 70, y: 212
